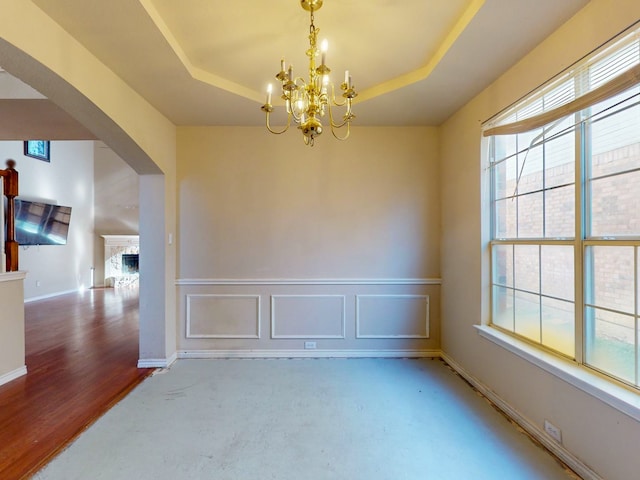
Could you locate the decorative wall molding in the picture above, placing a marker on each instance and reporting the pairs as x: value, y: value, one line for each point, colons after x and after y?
x: 9, y: 376
x: 183, y: 354
x: 275, y: 318
x: 121, y: 240
x: 359, y: 317
x: 554, y: 447
x: 190, y: 320
x: 308, y: 281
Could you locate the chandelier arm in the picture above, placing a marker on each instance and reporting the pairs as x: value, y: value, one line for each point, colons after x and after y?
x: 297, y: 118
x: 333, y: 97
x: 347, y: 121
x: 340, y: 125
x: 333, y: 131
x: 282, y: 131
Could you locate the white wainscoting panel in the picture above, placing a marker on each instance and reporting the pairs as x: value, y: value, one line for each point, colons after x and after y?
x: 223, y: 316
x: 308, y: 316
x: 392, y: 316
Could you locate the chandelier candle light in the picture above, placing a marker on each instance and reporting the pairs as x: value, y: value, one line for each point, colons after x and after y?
x: 307, y: 101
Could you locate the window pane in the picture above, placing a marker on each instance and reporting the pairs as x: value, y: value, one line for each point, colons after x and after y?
x: 503, y: 265
x: 558, y: 325
x: 638, y: 284
x: 614, y: 202
x: 560, y: 212
x: 504, y: 174
x: 525, y: 139
x: 530, y: 170
x: 504, y: 146
x: 610, y: 278
x: 530, y: 215
x: 527, y: 268
x: 557, y: 271
x: 503, y: 308
x: 610, y: 135
x: 527, y: 315
x: 505, y: 218
x: 611, y: 343
x: 560, y: 157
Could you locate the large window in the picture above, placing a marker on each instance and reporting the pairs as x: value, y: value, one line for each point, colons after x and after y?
x: 565, y: 209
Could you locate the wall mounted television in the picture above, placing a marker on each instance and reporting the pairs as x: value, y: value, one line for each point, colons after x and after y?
x: 39, y: 223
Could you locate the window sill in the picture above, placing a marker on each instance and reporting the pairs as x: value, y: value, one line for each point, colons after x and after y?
x: 622, y: 399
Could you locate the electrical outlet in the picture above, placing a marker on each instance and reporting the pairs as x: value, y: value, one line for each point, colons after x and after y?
x: 309, y: 345
x: 553, y: 431
x: 37, y: 283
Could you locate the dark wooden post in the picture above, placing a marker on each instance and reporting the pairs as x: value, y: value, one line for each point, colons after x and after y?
x: 10, y: 177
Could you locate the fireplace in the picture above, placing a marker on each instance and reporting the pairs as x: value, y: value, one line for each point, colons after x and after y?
x: 121, y: 254
x: 129, y: 263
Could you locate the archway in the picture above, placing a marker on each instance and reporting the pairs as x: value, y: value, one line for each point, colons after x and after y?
x: 157, y: 210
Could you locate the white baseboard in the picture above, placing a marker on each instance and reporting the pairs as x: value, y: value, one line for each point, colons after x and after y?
x: 18, y: 372
x: 157, y: 362
x: 309, y: 354
x: 532, y: 429
x: 49, y: 295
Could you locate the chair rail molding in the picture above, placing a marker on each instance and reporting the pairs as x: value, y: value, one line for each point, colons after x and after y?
x: 308, y: 281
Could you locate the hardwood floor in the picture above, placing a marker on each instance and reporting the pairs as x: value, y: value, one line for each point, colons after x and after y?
x: 81, y: 356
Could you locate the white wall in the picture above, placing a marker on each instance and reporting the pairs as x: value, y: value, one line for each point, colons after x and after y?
x: 285, y: 225
x: 603, y: 437
x: 66, y: 180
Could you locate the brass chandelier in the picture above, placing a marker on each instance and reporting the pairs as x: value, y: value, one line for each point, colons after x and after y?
x: 307, y: 101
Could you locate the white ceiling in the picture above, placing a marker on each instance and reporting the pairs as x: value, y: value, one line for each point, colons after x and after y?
x: 208, y: 62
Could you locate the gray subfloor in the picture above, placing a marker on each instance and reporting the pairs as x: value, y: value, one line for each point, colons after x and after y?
x: 312, y: 419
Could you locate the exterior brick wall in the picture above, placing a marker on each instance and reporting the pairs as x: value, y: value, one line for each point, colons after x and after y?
x: 614, y: 203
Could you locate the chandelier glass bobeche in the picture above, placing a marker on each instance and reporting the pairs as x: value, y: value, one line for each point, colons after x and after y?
x: 306, y: 101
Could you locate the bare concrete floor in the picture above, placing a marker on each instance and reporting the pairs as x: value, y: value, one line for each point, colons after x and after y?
x: 355, y: 419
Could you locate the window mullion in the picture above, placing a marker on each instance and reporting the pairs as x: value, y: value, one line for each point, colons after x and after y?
x: 635, y: 314
x: 581, y: 145
x: 513, y: 285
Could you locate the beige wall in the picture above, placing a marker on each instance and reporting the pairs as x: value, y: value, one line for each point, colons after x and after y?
x: 12, y: 348
x: 604, y: 438
x: 253, y: 206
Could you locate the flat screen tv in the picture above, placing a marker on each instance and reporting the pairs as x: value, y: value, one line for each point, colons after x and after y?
x: 39, y: 223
